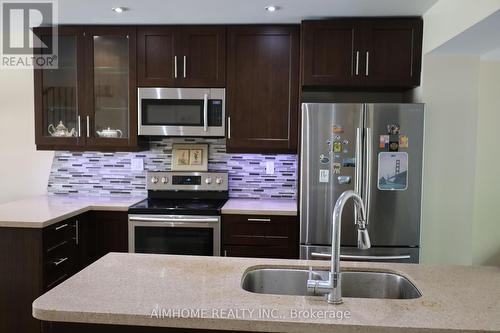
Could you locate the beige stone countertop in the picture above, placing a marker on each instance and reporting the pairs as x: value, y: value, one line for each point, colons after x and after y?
x: 260, y: 207
x: 44, y: 210
x: 205, y: 293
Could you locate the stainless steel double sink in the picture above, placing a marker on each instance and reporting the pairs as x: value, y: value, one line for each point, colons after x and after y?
x: 355, y: 284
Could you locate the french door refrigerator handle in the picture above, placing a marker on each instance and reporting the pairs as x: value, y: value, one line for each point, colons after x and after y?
x: 368, y: 170
x: 359, y: 159
x: 355, y: 257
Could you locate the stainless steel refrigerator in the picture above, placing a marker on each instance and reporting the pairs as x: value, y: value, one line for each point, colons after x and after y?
x: 376, y: 150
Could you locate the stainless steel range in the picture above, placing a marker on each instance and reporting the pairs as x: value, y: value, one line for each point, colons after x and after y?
x: 181, y: 214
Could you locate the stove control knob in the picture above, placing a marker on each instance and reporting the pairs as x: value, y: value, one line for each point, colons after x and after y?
x: 164, y: 180
x: 219, y: 181
x: 154, y: 180
x: 208, y: 180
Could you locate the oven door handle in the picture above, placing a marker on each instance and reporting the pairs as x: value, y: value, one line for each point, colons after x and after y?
x: 356, y: 257
x: 205, y: 112
x: 173, y: 220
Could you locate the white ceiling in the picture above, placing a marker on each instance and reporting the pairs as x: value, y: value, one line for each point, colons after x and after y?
x: 229, y: 11
x: 482, y: 38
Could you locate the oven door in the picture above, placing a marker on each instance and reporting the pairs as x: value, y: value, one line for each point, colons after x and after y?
x: 181, y: 112
x: 174, y: 234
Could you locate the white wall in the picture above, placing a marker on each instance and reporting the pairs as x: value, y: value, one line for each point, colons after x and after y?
x: 486, y: 227
x: 448, y: 18
x: 23, y: 170
x: 450, y: 91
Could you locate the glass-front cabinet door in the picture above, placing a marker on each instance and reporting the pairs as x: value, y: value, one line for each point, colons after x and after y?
x: 111, y: 74
x: 58, y: 91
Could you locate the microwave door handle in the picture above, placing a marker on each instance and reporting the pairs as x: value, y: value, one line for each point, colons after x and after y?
x: 205, y: 112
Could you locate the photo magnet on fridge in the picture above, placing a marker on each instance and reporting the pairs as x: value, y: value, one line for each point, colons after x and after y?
x: 392, y: 171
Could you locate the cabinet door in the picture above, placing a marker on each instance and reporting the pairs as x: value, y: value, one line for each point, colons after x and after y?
x: 330, y: 53
x: 111, y: 93
x: 262, y: 88
x: 157, y: 62
x: 203, y: 57
x: 58, y: 92
x: 393, y: 52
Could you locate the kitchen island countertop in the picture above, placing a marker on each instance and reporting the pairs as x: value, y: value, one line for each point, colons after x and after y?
x: 127, y: 289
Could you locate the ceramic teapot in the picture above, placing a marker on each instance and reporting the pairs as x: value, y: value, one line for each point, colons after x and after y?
x: 60, y: 130
x: 110, y: 133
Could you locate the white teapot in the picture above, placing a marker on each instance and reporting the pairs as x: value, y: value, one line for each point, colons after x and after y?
x: 60, y: 130
x: 110, y: 133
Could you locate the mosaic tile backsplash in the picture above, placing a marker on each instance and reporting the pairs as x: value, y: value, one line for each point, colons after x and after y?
x: 95, y: 173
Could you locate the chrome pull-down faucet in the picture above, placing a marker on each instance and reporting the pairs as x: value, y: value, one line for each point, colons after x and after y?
x: 332, y: 287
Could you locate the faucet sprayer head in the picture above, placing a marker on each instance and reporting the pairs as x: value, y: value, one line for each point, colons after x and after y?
x: 363, y: 239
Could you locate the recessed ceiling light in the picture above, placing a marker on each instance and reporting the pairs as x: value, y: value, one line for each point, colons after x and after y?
x: 272, y: 8
x: 119, y: 9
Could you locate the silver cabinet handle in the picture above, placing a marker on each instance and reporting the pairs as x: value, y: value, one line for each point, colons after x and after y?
x: 88, y: 126
x: 205, y: 111
x: 229, y: 127
x: 175, y: 67
x: 79, y: 126
x: 61, y: 227
x: 259, y: 220
x: 357, y: 63
x: 355, y: 257
x: 184, y: 67
x: 367, y: 63
x: 60, y: 261
x: 225, y: 253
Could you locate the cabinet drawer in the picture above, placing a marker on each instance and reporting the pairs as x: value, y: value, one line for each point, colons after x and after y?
x: 273, y: 252
x: 59, y: 265
x: 56, y: 235
x: 258, y: 230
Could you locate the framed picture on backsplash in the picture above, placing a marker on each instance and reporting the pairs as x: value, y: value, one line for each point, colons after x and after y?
x: 189, y: 157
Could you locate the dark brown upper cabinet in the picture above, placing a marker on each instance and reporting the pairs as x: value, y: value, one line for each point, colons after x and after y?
x: 362, y: 53
x: 328, y: 52
x: 93, y: 92
x: 262, y: 88
x: 182, y: 56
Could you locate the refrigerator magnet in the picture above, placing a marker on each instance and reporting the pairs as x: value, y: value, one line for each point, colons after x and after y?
x: 384, y: 142
x: 336, y: 168
x: 337, y: 147
x: 392, y: 171
x: 403, y: 141
x: 324, y: 176
x: 337, y: 129
x: 324, y: 159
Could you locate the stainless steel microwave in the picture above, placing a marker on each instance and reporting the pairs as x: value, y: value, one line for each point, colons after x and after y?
x: 181, y: 112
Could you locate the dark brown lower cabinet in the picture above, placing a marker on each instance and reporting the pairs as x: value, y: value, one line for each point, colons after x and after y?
x: 260, y: 236
x: 33, y: 261
x: 104, y: 232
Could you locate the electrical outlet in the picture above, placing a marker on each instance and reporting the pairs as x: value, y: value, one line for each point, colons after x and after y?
x: 137, y: 164
x: 269, y: 168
